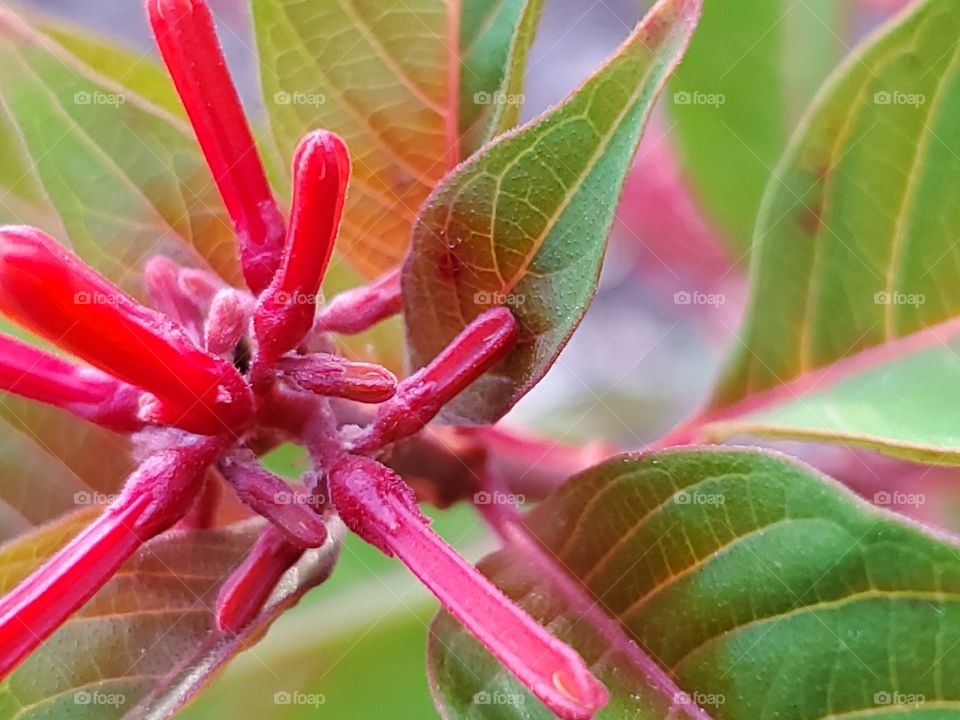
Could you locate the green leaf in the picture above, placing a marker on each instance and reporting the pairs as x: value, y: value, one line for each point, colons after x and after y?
x: 896, y: 407
x: 126, y: 178
x: 147, y: 641
x: 137, y: 71
x: 856, y: 255
x: 495, y: 40
x: 761, y: 588
x: 381, y: 76
x: 751, y: 70
x: 525, y: 222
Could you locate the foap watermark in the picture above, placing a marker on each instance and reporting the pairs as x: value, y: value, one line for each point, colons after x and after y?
x: 299, y: 698
x: 99, y: 98
x: 684, y: 297
x: 899, y: 298
x: 897, y: 98
x: 498, y: 298
x: 298, y: 298
x: 485, y: 497
x: 299, y: 98
x: 86, y: 498
x: 292, y: 497
x: 685, y: 497
x: 97, y: 698
x: 899, y: 499
x: 498, y: 98
x: 681, y: 699
x: 497, y: 697
x: 686, y: 97
x: 899, y: 699
x: 96, y: 298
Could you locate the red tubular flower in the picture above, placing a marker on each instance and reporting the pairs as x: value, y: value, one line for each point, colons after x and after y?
x: 484, y: 342
x: 162, y: 278
x: 284, y: 314
x: 334, y: 376
x: 85, y: 392
x: 52, y: 293
x: 247, y: 589
x: 156, y: 496
x: 360, y: 309
x: 185, y: 33
x: 377, y: 505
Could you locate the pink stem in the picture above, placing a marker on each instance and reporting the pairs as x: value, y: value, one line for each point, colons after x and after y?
x: 376, y: 504
x: 187, y: 39
x: 155, y: 497
x: 162, y: 277
x: 360, y: 309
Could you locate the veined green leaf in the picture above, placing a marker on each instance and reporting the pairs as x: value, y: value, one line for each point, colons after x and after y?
x: 126, y: 178
x: 138, y: 71
x: 382, y: 75
x: 495, y: 40
x: 751, y: 70
x: 524, y: 223
x: 760, y: 588
x: 856, y: 252
x: 900, y: 407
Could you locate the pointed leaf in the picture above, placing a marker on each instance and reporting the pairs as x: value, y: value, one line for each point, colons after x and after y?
x: 524, y: 223
x: 759, y: 589
x: 495, y: 40
x: 382, y: 76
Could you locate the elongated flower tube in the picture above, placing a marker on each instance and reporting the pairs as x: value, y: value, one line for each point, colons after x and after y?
x: 155, y: 497
x: 284, y: 314
x: 359, y: 309
x: 248, y: 587
x: 334, y: 376
x: 187, y: 39
x: 50, y: 292
x: 377, y: 505
x: 483, y: 343
x: 85, y: 392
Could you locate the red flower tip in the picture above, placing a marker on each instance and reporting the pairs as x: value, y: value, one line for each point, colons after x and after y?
x: 484, y: 342
x: 186, y: 36
x: 321, y: 170
x: 359, y: 309
x: 155, y: 497
x: 83, y: 391
x: 247, y: 590
x: 334, y: 376
x: 52, y: 293
x: 377, y: 505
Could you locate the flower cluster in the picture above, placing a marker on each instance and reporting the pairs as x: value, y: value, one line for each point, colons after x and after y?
x: 213, y: 375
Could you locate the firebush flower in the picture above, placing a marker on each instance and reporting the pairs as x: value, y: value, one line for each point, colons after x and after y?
x: 214, y: 375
